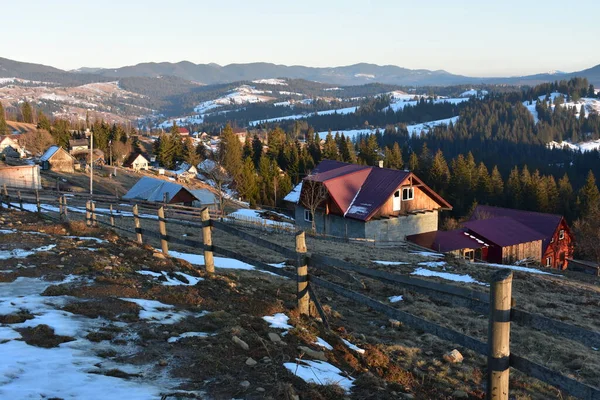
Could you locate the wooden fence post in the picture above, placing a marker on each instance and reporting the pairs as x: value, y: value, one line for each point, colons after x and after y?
x: 37, y: 201
x: 94, y: 217
x: 162, y: 228
x: 499, y: 335
x: 112, y: 218
x: 138, y: 225
x: 88, y: 213
x: 65, y: 208
x: 60, y: 208
x: 302, y: 274
x: 6, y: 198
x: 209, y: 261
x: 20, y: 200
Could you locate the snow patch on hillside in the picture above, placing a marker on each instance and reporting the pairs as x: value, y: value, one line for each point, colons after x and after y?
x: 272, y: 81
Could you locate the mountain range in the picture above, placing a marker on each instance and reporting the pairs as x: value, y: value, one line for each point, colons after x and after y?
x: 209, y: 74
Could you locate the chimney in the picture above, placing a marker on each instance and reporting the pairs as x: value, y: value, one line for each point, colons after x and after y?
x: 380, y: 163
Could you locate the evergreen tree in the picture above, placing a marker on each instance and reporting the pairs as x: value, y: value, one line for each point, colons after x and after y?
x: 27, y: 112
x: 514, y: 192
x: 439, y: 173
x: 497, y: 187
x: 190, y: 155
x: 413, y: 162
x: 248, y: 183
x: 3, y: 125
x: 588, y: 197
x: 257, y: 150
x: 552, y: 194
x: 484, y: 188
x: 330, y: 149
x: 565, y: 196
x: 230, y: 150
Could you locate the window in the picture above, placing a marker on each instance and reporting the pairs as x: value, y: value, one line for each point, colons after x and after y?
x: 469, y: 255
x: 561, y: 234
x: 308, y: 216
x: 548, y: 261
x: 407, y: 193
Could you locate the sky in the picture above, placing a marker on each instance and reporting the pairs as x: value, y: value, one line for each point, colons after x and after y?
x: 474, y: 38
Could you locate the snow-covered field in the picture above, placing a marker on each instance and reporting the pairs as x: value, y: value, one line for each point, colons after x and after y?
x: 585, y: 105
x: 407, y: 100
x: 347, y: 110
x: 271, y: 81
x: 581, y: 146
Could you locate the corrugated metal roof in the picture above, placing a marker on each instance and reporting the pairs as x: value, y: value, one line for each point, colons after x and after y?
x: 49, y: 153
x: 445, y: 241
x: 503, y: 231
x: 204, y: 196
x: 150, y: 189
x: 545, y: 224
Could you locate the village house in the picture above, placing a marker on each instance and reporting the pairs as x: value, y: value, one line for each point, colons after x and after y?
x: 10, y: 147
x: 160, y: 191
x: 366, y: 202
x: 186, y: 171
x: 21, y: 176
x: 183, y: 131
x: 78, y: 146
x: 57, y: 159
x: 136, y: 162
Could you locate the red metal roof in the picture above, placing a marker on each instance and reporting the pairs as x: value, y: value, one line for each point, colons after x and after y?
x: 545, y: 224
x: 183, y: 131
x: 445, y: 241
x: 360, y: 190
x: 503, y: 231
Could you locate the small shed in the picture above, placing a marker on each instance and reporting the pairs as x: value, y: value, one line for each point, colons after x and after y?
x: 78, y: 145
x: 509, y: 240
x: 158, y: 190
x: 206, y: 198
x: 57, y: 159
x: 457, y: 242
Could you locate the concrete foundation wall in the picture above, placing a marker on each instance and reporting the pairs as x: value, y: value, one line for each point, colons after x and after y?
x: 393, y: 229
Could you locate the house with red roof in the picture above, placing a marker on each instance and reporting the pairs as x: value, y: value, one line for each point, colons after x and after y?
x: 361, y: 201
x: 183, y: 131
x: 557, y: 238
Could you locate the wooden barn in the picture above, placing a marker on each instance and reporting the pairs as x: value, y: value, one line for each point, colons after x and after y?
x: 57, y: 159
x: 159, y: 191
x: 557, y: 242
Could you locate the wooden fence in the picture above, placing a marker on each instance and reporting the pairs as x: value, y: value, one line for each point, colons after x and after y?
x: 497, y: 303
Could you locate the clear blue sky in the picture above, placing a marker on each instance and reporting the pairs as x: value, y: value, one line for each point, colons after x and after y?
x: 478, y: 38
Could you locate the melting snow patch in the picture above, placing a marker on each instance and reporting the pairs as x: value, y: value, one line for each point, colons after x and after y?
x: 220, y: 262
x: 188, y: 334
x: 353, y: 347
x: 319, y: 372
x: 191, y: 280
x: 390, y: 262
x: 20, y: 253
x: 324, y: 344
x: 433, y: 264
x: 395, y: 299
x: 278, y: 321
x: 427, y: 254
x: 518, y: 268
x: 90, y: 238
x: 155, y: 311
x: 447, y: 276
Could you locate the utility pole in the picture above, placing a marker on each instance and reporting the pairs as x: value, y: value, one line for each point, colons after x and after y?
x: 91, y: 162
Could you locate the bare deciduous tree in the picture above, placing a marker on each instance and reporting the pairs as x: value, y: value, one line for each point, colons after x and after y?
x: 312, y: 196
x: 587, y: 235
x: 215, y: 172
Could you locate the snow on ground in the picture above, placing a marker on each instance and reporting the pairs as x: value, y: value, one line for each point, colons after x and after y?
x: 402, y: 101
x: 474, y: 92
x: 427, y: 254
x: 249, y: 214
x: 66, y: 371
x: 433, y: 264
x: 351, y: 133
x: 353, y: 347
x: 590, y: 145
x: 278, y: 321
x: 347, y: 110
x: 155, y: 311
x: 272, y: 81
x: 174, y: 339
x: 20, y: 253
x: 389, y: 262
x: 415, y: 130
x: 395, y: 299
x: 320, y: 373
x: 518, y: 268
x: 322, y: 343
x: 584, y: 106
x: 446, y: 275
x: 191, y: 280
